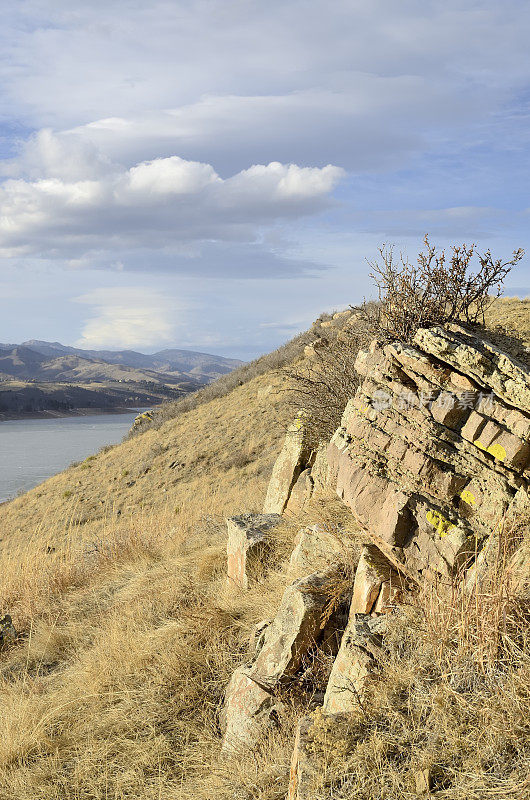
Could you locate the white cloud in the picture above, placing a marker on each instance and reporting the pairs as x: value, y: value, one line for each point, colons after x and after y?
x: 80, y: 62
x: 364, y: 86
x: 162, y: 203
x: 127, y: 318
x: 424, y: 103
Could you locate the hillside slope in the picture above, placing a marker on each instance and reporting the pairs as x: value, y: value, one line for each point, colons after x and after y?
x: 114, y: 575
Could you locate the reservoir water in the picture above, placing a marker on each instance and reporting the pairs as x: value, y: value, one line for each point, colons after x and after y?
x: 32, y: 450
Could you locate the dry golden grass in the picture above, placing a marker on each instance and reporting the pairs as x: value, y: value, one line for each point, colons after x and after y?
x: 113, y: 572
x: 512, y: 313
x: 450, y: 700
x: 128, y: 635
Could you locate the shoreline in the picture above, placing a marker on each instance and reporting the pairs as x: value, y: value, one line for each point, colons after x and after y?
x: 75, y: 412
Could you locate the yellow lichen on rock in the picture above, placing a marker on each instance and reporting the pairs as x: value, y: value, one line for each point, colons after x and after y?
x: 468, y: 497
x: 495, y: 450
x: 438, y: 521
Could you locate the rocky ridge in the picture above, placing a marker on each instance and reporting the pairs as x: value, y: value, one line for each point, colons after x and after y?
x: 432, y: 457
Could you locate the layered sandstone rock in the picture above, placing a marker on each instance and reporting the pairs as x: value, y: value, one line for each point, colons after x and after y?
x: 433, y: 448
x: 481, y: 360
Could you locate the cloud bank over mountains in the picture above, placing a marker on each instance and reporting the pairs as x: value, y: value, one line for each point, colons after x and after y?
x: 131, y: 316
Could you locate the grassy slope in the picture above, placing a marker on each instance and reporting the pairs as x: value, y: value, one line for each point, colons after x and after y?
x: 113, y: 573
x: 123, y: 638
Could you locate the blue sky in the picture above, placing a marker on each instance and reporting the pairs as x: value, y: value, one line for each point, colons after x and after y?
x: 214, y: 174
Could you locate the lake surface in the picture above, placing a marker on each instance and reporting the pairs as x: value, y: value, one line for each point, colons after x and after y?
x: 32, y: 450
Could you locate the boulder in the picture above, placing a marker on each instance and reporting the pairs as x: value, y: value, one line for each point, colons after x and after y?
x: 291, y: 461
x: 360, y: 649
x: 295, y: 629
x: 248, y: 536
x: 247, y: 712
x: 315, y: 548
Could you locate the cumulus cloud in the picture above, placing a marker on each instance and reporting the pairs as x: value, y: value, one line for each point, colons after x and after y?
x: 127, y: 318
x: 161, y: 203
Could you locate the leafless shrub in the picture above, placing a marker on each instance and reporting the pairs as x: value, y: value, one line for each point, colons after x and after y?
x: 437, y: 289
x: 322, y: 384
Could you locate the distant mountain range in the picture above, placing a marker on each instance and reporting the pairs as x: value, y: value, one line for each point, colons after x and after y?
x: 38, y: 376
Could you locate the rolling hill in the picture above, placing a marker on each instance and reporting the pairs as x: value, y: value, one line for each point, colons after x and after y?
x: 38, y: 376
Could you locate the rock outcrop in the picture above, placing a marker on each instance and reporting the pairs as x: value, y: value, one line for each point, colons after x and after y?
x: 433, y: 458
x: 427, y: 457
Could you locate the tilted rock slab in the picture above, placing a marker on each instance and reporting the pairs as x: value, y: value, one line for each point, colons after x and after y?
x: 293, y: 457
x: 301, y: 493
x: 249, y: 698
x: 377, y: 584
x: 360, y: 650
x: 247, y: 712
x: 295, y: 629
x: 428, y: 458
x: 248, y: 537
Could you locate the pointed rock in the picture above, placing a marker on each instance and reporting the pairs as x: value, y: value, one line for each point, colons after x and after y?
x: 289, y: 464
x: 247, y: 712
x: 295, y: 629
x: 360, y: 649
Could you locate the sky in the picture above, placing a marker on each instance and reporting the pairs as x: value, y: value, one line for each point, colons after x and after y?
x: 214, y: 174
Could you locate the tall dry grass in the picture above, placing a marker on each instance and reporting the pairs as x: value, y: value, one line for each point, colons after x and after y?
x: 447, y: 714
x: 114, y: 574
